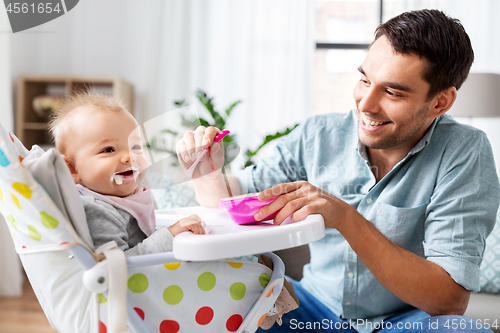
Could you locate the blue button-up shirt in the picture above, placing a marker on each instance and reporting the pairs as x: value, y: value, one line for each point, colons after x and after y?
x: 439, y: 202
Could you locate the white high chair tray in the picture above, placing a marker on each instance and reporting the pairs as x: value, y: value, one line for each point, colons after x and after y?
x: 227, y: 239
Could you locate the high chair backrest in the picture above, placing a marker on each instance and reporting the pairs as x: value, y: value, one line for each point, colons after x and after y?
x: 42, y: 233
x: 37, y: 223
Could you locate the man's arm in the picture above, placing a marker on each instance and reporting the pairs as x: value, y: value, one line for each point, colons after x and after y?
x: 413, y: 279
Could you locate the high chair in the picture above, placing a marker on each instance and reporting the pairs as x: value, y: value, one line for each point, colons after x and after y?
x: 83, y: 289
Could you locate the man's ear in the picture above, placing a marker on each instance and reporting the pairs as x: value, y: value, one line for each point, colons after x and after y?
x: 72, y: 169
x: 443, y: 101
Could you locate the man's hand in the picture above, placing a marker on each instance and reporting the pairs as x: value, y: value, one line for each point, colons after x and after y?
x: 192, y: 223
x: 192, y: 145
x: 301, y: 199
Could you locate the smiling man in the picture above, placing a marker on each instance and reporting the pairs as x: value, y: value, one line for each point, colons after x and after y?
x: 408, y: 195
x: 394, y: 108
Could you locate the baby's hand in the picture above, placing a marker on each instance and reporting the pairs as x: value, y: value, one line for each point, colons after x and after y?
x: 192, y: 145
x: 192, y: 223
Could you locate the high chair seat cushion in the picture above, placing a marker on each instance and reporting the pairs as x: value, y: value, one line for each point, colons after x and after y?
x: 51, y: 172
x: 208, y: 296
x: 42, y: 235
x: 35, y: 222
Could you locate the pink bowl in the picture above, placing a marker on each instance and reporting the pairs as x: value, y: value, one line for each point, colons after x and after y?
x: 241, y: 208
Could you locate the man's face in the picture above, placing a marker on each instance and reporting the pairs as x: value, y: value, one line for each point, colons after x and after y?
x: 101, y: 145
x: 391, y: 99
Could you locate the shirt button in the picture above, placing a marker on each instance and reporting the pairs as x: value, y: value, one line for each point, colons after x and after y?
x: 369, y: 200
x: 347, y: 303
x: 350, y: 275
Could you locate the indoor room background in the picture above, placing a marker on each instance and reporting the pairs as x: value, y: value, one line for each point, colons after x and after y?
x: 285, y: 60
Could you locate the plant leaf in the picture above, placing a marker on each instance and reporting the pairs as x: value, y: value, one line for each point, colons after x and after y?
x: 251, y: 153
x: 204, y: 122
x: 168, y: 130
x: 191, y: 122
x: 180, y: 103
x: 231, y: 107
x: 275, y: 136
x: 206, y: 101
x: 219, y: 121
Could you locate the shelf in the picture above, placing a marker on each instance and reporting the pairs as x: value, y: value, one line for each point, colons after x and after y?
x: 33, y: 129
x: 35, y: 126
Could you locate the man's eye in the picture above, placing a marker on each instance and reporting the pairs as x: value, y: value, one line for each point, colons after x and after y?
x: 108, y: 150
x: 392, y: 94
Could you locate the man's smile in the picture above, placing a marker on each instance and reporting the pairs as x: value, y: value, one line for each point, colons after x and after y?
x: 370, y: 125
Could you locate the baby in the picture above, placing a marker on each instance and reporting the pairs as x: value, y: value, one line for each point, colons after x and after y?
x: 99, y: 140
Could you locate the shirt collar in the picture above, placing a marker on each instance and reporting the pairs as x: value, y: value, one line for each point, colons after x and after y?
x: 426, y: 138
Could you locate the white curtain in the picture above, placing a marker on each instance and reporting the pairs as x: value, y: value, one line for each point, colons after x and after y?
x: 259, y: 51
x: 11, y: 277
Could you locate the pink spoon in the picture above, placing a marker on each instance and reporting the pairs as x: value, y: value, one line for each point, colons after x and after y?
x: 189, y: 172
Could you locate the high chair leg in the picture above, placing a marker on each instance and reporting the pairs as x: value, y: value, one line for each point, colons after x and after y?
x: 117, y: 294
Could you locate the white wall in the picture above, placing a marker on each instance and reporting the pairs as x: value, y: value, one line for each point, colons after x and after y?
x: 6, y: 115
x: 90, y: 41
x: 11, y: 276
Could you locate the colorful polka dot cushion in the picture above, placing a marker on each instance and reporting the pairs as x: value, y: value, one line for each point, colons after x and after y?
x: 212, y: 296
x: 34, y: 220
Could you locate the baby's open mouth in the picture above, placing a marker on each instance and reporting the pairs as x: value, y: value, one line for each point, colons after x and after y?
x: 126, y: 173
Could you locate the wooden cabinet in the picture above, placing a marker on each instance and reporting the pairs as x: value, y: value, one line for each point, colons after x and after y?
x: 32, y: 128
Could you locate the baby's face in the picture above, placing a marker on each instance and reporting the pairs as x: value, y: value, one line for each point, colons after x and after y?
x: 107, y: 152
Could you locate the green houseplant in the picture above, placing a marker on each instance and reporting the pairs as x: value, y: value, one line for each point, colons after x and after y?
x: 249, y: 154
x: 218, y: 119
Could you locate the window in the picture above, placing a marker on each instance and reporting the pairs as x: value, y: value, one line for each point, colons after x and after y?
x: 343, y: 31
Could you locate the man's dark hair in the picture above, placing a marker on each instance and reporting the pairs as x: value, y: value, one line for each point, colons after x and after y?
x: 432, y: 35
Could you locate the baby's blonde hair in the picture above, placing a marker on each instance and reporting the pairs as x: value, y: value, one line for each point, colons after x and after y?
x: 58, y: 126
